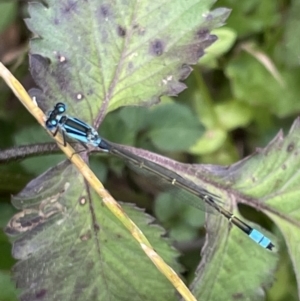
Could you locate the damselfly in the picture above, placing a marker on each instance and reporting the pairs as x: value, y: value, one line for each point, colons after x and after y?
x: 84, y: 133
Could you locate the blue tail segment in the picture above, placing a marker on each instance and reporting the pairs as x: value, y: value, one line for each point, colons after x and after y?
x: 84, y: 133
x: 262, y: 240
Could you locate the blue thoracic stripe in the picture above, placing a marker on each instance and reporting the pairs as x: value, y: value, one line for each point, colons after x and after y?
x: 76, y: 124
x: 72, y: 131
x: 81, y: 131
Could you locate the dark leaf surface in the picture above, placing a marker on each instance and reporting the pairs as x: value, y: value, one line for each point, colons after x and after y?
x: 71, y: 247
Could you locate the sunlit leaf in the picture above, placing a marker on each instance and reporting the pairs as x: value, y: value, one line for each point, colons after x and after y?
x: 104, y: 55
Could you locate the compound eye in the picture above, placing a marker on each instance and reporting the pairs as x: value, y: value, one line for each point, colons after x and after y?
x: 51, y: 123
x: 60, y: 107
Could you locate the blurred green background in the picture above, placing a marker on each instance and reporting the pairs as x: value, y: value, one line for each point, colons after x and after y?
x: 239, y: 96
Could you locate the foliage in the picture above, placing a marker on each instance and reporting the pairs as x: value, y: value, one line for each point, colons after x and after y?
x: 98, y: 58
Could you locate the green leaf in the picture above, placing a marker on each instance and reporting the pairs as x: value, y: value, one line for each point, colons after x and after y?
x: 73, y: 248
x: 103, y: 55
x: 226, y: 39
x: 166, y: 207
x: 134, y: 118
x: 290, y: 46
x: 6, y: 260
x: 111, y: 128
x: 182, y: 220
x: 36, y: 165
x: 233, y: 114
x: 252, y: 16
x: 233, y: 265
x: 6, y: 211
x: 8, y: 291
x: 173, y: 134
x: 268, y: 181
x: 8, y: 13
x: 254, y: 84
x: 212, y: 140
x: 12, y: 180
